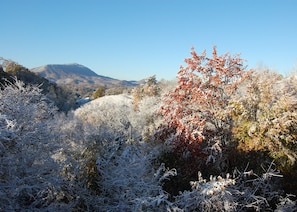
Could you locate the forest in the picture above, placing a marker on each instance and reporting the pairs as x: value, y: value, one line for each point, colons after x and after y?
x: 221, y: 137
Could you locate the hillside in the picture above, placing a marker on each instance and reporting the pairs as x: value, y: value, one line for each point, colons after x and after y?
x: 121, y: 102
x: 63, y: 99
x: 76, y: 74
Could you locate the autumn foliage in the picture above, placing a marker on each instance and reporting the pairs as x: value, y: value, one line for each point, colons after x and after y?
x: 197, y: 109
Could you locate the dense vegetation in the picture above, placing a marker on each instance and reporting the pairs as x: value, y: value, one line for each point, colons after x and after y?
x: 220, y: 138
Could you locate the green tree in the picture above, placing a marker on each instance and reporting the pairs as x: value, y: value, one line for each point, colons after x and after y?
x: 98, y: 93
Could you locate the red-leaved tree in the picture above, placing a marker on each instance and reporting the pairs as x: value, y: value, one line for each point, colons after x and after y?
x: 196, y: 112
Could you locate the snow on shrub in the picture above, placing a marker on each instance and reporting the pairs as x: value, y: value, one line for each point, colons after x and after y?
x: 109, y: 114
x: 196, y: 110
x: 197, y: 121
x: 113, y: 117
x: 104, y: 159
x: 129, y: 181
x: 28, y: 176
x: 244, y: 191
x: 265, y: 117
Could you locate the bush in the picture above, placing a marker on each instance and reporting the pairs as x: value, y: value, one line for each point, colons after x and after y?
x: 265, y: 117
x: 98, y: 93
x: 149, y: 89
x: 244, y: 191
x: 28, y: 175
x: 198, y: 105
x: 197, y: 123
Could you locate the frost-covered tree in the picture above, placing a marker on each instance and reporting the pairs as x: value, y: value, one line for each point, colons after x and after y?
x: 197, y: 107
x: 197, y: 123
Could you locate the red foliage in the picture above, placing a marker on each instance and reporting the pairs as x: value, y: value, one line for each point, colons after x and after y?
x: 199, y: 102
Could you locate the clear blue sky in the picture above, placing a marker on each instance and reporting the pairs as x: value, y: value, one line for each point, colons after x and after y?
x: 132, y: 40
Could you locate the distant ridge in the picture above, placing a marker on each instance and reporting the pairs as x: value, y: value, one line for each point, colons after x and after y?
x: 72, y: 68
x: 78, y: 74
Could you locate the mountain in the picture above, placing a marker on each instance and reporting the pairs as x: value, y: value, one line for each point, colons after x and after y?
x: 78, y: 75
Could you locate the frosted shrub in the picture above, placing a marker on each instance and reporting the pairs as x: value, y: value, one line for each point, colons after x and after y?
x: 197, y: 121
x: 130, y: 182
x: 208, y: 196
x: 104, y: 160
x: 113, y: 117
x: 146, y: 118
x: 28, y: 177
x: 110, y: 115
x: 195, y: 112
x: 112, y: 175
x: 265, y: 117
x: 149, y: 89
x: 243, y: 191
x: 26, y: 105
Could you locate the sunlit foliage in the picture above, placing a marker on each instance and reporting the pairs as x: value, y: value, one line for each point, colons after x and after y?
x: 197, y: 109
x: 149, y: 89
x: 265, y: 117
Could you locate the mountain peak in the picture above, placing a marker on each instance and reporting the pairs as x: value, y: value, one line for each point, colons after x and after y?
x: 74, y: 73
x: 68, y: 69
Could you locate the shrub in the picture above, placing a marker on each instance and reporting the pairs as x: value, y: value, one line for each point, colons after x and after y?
x: 197, y: 121
x: 98, y: 93
x: 28, y: 176
x: 149, y: 89
x: 244, y: 191
x: 265, y: 117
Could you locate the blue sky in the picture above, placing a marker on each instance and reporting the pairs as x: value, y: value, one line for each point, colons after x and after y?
x: 135, y: 39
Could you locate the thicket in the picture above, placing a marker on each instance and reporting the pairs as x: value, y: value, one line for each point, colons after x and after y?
x: 189, y: 145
